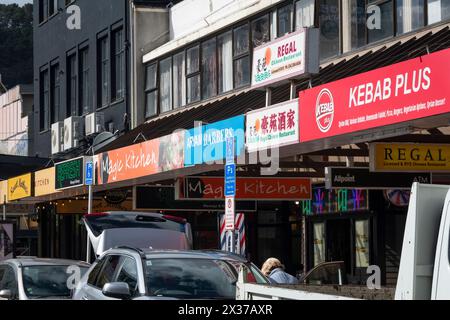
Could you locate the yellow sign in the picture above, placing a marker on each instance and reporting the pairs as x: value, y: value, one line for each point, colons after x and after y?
x: 409, y: 157
x: 3, y: 191
x: 19, y: 187
x: 44, y: 182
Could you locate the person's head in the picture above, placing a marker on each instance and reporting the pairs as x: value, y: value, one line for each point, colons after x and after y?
x: 271, y: 264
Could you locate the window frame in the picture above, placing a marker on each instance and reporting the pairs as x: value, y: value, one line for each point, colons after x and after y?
x: 55, y: 85
x: 151, y: 90
x: 136, y: 292
x: 83, y: 70
x: 101, y: 63
x: 117, y: 56
x: 71, y: 79
x: 192, y: 74
x: 242, y: 56
x: 44, y: 72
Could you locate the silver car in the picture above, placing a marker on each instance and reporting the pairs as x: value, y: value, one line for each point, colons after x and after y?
x: 144, y: 274
x: 30, y: 278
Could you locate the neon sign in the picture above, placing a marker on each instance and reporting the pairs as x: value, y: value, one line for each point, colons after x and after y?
x: 335, y: 201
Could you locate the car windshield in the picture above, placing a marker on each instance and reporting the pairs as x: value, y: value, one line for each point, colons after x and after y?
x: 191, y: 278
x: 47, y: 281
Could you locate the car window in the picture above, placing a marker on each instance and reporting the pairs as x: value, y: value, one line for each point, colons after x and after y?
x: 95, y: 271
x: 128, y: 273
x: 9, y: 281
x: 325, y: 274
x: 108, y: 271
x: 2, y: 272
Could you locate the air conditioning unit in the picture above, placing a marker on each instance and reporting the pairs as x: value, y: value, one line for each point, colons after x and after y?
x: 57, y: 137
x: 73, y: 132
x: 94, y: 123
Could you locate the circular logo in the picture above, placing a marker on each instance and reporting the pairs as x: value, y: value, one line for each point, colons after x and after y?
x: 324, y: 110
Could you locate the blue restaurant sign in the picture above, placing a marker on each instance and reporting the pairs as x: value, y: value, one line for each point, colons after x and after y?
x: 207, y: 144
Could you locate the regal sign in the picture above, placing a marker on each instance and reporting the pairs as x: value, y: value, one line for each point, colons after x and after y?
x: 405, y: 91
x: 257, y: 188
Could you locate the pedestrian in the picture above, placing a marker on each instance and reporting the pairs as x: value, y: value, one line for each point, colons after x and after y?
x: 274, y: 270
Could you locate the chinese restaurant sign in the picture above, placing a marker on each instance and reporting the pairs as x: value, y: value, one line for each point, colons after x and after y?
x: 405, y: 91
x: 280, y: 59
x: 272, y: 127
x: 205, y: 144
x: 409, y: 157
x: 69, y: 174
x: 335, y: 201
x: 19, y: 187
x: 44, y: 182
x: 212, y: 188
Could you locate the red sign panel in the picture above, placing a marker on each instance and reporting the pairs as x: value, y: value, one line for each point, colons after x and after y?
x: 401, y: 92
x: 211, y: 188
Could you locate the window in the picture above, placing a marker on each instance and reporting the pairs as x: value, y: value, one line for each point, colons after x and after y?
x: 304, y: 14
x: 52, y: 7
x: 44, y: 101
x: 329, y: 18
x: 128, y: 273
x: 438, y: 10
x: 165, y: 84
x: 225, y: 59
x: 94, y: 273
x: 103, y: 74
x: 410, y: 15
x: 284, y: 20
x: 261, y: 30
x: 209, y: 69
x: 43, y: 10
x: 84, y: 83
x: 118, y: 66
x: 151, y: 91
x: 108, y: 271
x: 8, y: 281
x: 193, y: 74
x: 71, y: 86
x: 241, y: 56
x: 55, y: 98
x: 358, y: 27
x: 387, y: 21
x: 179, y: 83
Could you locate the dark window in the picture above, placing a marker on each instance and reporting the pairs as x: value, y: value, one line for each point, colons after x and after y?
x: 128, y: 273
x: 241, y: 56
x: 43, y: 10
x: 329, y: 18
x: 44, y: 101
x: 108, y: 271
x: 118, y: 66
x: 52, y: 7
x: 165, y: 85
x: 103, y: 72
x: 69, y: 2
x: 358, y: 25
x: 84, y: 83
x: 284, y: 20
x: 55, y: 94
x: 261, y: 30
x: 225, y: 60
x: 179, y: 80
x: 438, y: 10
x: 193, y: 74
x: 151, y: 91
x: 386, y: 28
x: 410, y: 15
x: 209, y: 69
x: 94, y: 273
x: 71, y: 85
x: 304, y: 13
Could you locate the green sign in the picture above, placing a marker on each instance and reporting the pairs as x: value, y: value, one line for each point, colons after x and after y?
x: 69, y: 174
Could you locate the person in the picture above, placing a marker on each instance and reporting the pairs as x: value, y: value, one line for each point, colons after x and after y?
x: 274, y: 270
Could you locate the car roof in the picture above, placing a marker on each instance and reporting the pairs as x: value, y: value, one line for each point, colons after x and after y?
x: 34, y: 261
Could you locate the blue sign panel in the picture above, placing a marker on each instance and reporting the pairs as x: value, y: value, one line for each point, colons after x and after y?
x: 89, y: 173
x: 230, y: 150
x: 207, y: 144
x: 230, y: 180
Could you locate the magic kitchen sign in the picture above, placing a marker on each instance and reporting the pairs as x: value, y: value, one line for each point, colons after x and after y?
x: 247, y: 188
x: 20, y: 187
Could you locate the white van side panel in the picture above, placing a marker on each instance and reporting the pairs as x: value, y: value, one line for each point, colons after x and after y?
x: 419, y: 242
x: 441, y: 278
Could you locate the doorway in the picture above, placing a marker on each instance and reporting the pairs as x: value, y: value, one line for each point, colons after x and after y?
x: 338, y: 242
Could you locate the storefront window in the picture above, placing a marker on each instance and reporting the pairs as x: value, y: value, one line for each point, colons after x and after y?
x: 284, y: 20
x: 386, y: 28
x: 362, y: 249
x: 410, y: 15
x: 193, y: 75
x: 358, y: 23
x: 329, y: 28
x: 241, y: 56
x: 319, y: 243
x: 150, y: 91
x: 165, y: 84
x: 225, y: 56
x: 179, y: 84
x: 209, y: 69
x: 438, y: 10
x: 304, y: 14
x: 261, y: 30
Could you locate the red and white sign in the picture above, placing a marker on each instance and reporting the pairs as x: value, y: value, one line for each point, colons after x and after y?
x: 405, y: 91
x: 229, y: 213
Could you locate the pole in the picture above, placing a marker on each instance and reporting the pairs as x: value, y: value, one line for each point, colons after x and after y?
x: 4, y: 208
x: 88, y: 242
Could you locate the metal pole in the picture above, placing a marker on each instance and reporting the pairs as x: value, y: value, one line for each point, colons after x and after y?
x: 88, y: 242
x: 4, y: 208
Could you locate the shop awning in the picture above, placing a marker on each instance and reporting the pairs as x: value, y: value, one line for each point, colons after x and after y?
x: 12, y: 166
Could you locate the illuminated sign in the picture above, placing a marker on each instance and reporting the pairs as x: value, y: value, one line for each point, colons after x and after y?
x: 69, y: 174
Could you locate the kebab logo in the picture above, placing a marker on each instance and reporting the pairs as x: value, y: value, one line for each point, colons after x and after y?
x: 324, y: 110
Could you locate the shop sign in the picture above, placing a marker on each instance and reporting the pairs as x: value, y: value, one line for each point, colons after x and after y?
x: 207, y: 144
x: 401, y: 92
x: 325, y: 201
x: 279, y: 60
x: 273, y: 126
x: 44, y: 182
x: 171, y: 151
x: 409, y: 157
x: 3, y: 191
x: 247, y: 188
x: 20, y: 187
x: 363, y: 178
x: 69, y: 174
x: 162, y: 198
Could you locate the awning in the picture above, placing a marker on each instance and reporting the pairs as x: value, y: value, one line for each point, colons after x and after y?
x: 12, y: 166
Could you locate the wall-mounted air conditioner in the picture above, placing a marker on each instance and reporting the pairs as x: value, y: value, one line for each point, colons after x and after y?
x: 94, y: 123
x: 73, y: 132
x: 57, y: 137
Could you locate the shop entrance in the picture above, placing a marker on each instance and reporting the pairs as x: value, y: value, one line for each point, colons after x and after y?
x: 338, y: 241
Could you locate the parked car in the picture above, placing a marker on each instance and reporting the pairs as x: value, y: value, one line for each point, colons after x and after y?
x: 145, y: 274
x: 107, y: 230
x: 30, y: 278
x: 326, y: 273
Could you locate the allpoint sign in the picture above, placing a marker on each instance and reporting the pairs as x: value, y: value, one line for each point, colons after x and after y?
x: 405, y: 91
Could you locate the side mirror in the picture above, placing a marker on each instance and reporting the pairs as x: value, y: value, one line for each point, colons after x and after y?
x: 117, y: 290
x: 6, y: 294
